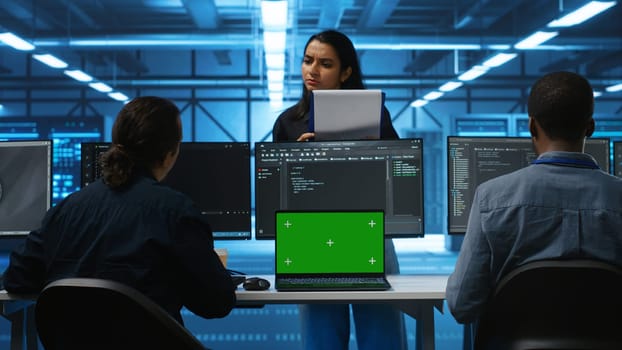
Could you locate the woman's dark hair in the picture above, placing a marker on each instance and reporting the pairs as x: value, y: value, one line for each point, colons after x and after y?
x: 347, y: 58
x: 145, y: 131
x: 563, y: 104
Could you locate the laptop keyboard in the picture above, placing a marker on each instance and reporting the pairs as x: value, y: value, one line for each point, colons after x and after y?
x: 332, y: 282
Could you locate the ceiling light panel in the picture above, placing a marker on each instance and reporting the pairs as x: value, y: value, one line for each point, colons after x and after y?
x: 535, y: 39
x: 79, y: 75
x: 499, y: 59
x: 16, y: 42
x: 581, y: 14
x: 473, y: 73
x: 51, y: 61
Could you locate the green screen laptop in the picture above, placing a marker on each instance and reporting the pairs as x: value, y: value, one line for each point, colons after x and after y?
x: 330, y: 250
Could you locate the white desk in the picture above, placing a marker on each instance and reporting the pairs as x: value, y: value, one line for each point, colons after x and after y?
x: 415, y: 295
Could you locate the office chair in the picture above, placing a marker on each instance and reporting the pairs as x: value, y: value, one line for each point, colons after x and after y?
x: 88, y: 313
x: 556, y: 304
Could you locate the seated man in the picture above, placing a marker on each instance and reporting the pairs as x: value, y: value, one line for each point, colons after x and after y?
x: 561, y: 206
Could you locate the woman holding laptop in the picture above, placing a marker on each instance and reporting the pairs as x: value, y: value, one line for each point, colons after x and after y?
x: 330, y: 62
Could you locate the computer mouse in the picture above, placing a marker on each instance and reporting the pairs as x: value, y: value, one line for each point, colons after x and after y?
x: 256, y: 283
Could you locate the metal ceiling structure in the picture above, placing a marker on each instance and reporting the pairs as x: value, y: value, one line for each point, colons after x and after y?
x: 117, y: 40
x: 208, y: 56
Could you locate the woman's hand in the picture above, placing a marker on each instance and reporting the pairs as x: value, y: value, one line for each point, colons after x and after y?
x: 306, y: 136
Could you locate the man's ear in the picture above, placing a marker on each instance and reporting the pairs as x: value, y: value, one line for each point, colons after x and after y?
x: 590, y: 128
x: 533, y: 130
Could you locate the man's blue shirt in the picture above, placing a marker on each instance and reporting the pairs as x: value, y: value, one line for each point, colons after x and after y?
x: 559, y: 208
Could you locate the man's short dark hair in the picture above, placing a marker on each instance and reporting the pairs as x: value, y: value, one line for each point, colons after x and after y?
x: 563, y: 104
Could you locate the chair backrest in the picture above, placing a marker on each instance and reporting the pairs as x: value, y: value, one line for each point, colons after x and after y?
x: 555, y: 304
x: 87, y: 313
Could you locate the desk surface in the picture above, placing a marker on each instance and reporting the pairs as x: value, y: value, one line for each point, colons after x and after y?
x: 403, y: 288
x: 416, y: 295
x: 5, y: 296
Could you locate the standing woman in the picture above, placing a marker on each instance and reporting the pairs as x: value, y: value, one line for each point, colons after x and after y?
x: 330, y: 62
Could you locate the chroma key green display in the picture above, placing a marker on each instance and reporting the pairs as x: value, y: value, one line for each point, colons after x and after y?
x: 330, y: 241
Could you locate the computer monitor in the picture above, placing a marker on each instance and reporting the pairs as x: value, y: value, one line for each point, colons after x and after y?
x: 617, y: 158
x: 25, y: 185
x: 473, y: 160
x: 67, y: 133
x: 341, y: 175
x: 598, y: 147
x: 216, y: 175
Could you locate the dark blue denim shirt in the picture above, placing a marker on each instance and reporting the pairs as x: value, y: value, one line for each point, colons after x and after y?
x: 146, y: 235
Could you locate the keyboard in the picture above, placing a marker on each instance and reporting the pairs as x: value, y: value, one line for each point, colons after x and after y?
x: 332, y: 283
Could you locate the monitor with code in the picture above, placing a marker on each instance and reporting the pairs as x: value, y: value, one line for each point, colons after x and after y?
x: 473, y: 160
x: 341, y: 175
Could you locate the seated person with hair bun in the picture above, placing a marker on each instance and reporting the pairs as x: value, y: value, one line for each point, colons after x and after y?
x: 129, y: 228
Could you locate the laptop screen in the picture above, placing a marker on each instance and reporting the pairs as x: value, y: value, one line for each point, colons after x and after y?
x: 337, y: 242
